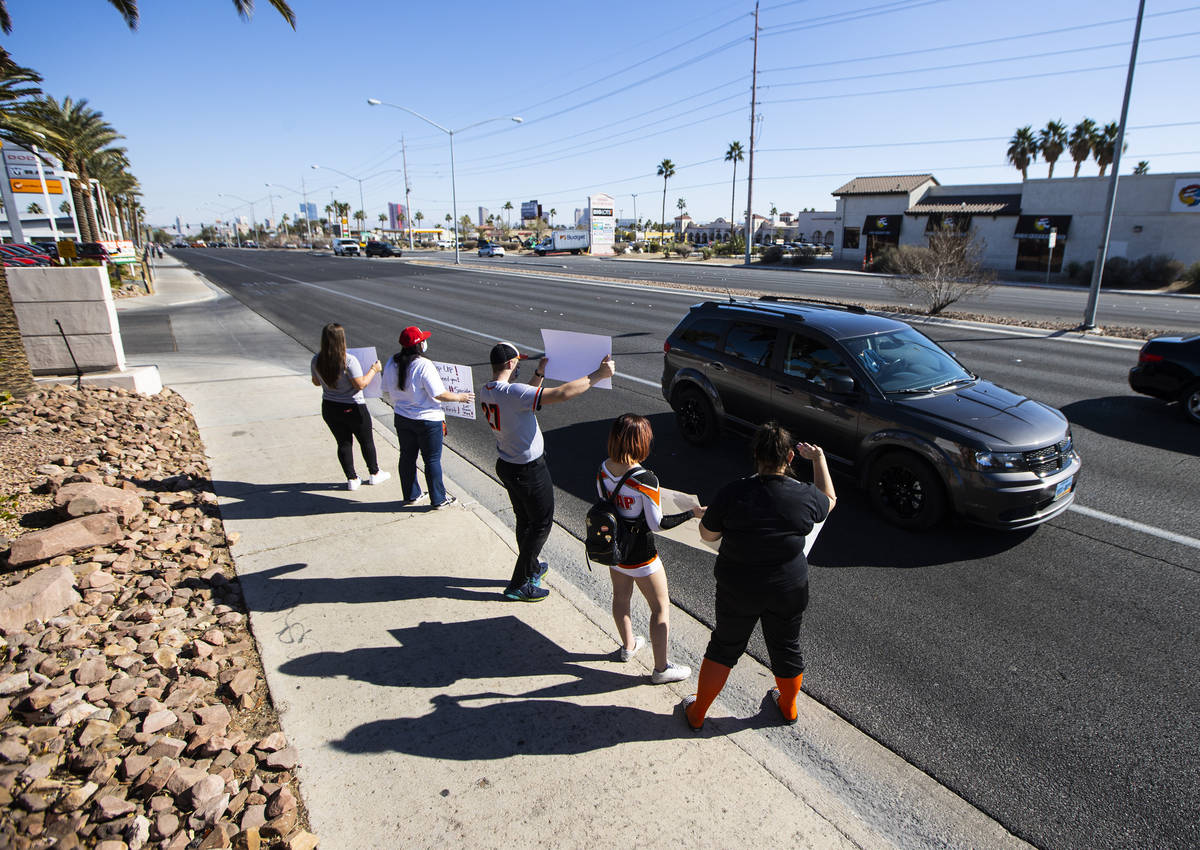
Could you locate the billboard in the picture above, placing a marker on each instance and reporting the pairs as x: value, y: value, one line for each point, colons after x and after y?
x: 397, y: 216
x: 603, y: 221
x: 309, y: 211
x: 1185, y: 197
x: 530, y: 210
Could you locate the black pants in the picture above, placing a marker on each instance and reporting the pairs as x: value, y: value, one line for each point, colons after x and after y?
x: 739, y: 608
x: 532, y: 495
x: 350, y: 422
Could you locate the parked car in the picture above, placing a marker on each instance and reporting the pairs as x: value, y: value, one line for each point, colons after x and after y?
x: 382, y: 249
x: 921, y: 433
x: 19, y: 250
x: 345, y: 248
x: 91, y: 251
x: 50, y: 249
x: 491, y: 250
x: 13, y: 258
x: 1168, y: 368
x: 249, y: 243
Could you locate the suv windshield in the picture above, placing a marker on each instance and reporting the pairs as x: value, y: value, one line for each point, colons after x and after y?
x: 905, y: 361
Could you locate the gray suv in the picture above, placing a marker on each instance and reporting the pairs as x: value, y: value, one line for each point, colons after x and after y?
x: 920, y: 432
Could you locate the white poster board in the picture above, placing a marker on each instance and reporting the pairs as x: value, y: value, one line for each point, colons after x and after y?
x: 457, y: 380
x: 572, y: 355
x: 366, y: 357
x: 673, y: 502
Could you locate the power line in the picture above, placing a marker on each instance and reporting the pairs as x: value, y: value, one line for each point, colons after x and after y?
x: 847, y: 16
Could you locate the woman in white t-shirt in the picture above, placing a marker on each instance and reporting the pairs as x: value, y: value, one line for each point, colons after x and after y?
x: 343, y: 407
x: 415, y: 388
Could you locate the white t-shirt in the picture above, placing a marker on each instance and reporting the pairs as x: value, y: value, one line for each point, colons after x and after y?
x: 418, y: 398
x: 511, y: 412
x: 342, y: 392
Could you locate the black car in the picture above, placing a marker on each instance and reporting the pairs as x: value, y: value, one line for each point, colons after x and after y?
x: 91, y: 251
x: 50, y: 249
x: 919, y: 431
x: 383, y: 249
x: 1168, y: 367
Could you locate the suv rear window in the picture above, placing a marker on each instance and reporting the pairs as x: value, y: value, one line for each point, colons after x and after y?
x: 753, y: 343
x: 705, y: 333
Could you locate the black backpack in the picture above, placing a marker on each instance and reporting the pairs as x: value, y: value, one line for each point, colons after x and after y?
x: 607, y: 536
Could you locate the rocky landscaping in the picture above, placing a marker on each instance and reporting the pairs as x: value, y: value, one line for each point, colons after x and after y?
x: 135, y: 711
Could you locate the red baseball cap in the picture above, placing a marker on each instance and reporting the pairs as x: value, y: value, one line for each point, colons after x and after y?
x: 412, y: 336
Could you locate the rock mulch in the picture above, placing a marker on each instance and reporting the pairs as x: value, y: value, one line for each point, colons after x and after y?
x: 135, y: 711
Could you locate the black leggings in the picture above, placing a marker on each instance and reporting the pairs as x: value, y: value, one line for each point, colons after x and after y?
x: 739, y: 607
x: 349, y: 422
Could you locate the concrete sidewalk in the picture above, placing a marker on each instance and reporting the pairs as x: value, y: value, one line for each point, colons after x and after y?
x: 430, y: 712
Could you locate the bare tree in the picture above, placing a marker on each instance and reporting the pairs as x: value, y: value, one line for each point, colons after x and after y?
x: 945, y: 271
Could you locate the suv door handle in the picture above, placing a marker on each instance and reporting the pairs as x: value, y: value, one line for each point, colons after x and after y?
x: 784, y: 388
x: 717, y: 367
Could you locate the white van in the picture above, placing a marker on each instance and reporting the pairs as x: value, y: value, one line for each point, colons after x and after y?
x: 345, y: 247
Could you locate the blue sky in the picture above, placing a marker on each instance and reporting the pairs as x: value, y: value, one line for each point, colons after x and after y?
x: 211, y: 104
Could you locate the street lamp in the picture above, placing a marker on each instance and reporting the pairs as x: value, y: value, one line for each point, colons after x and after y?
x: 304, y: 194
x: 453, y: 188
x: 253, y: 218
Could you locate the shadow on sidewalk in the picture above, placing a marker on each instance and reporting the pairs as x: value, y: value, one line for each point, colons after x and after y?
x: 270, y: 591
x: 307, y: 498
x: 439, y: 654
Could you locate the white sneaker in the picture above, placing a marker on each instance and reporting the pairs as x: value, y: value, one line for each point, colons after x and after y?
x: 638, y: 643
x: 379, y: 477
x: 353, y: 484
x: 672, y: 673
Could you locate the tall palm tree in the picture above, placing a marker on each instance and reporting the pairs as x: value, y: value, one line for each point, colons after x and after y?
x: 129, y: 11
x: 417, y: 216
x: 553, y: 213
x: 76, y: 134
x: 666, y: 170
x: 1080, y: 143
x: 1104, y: 145
x: 34, y: 209
x: 1052, y: 141
x: 1143, y: 167
x: 681, y: 205
x: 1022, y: 150
x: 508, y: 205
x: 382, y: 219
x: 734, y: 154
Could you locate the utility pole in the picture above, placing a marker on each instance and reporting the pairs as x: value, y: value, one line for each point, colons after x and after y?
x: 307, y: 218
x: 753, y: 110
x: 1089, y: 317
x: 407, y: 194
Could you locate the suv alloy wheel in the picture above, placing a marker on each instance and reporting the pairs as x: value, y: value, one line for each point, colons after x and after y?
x: 695, y: 417
x: 906, y: 491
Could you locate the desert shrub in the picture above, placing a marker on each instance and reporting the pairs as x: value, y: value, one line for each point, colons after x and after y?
x: 772, y: 254
x: 941, y: 273
x: 511, y: 245
x: 1191, y: 275
x: 683, y: 249
x: 802, y: 258
x: 732, y: 248
x: 1156, y: 271
x: 470, y: 244
x: 707, y: 253
x: 899, y: 259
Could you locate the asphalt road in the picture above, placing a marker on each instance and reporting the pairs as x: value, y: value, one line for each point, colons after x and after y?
x: 1046, y: 676
x: 1034, y: 303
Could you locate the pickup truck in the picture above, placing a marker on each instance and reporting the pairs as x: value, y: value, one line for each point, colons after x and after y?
x: 562, y: 241
x: 345, y: 247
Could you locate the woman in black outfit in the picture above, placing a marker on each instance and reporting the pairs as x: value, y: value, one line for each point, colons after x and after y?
x: 761, y: 570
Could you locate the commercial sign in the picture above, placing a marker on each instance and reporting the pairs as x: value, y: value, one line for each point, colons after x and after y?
x: 603, y: 224
x: 1185, y: 197
x: 54, y: 186
x: 882, y: 225
x: 1040, y: 227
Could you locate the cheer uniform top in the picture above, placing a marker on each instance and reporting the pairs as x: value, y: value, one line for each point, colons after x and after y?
x: 637, y: 502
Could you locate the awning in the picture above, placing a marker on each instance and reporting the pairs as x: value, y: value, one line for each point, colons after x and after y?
x: 883, y: 225
x: 958, y: 222
x: 1039, y: 226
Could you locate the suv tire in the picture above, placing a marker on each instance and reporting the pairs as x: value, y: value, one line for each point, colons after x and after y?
x: 906, y: 491
x: 1189, y: 403
x: 695, y: 417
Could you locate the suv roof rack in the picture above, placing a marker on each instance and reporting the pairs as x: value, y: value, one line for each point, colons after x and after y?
x: 851, y: 308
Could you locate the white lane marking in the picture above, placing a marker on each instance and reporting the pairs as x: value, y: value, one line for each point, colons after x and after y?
x: 1090, y: 512
x: 424, y: 318
x: 1181, y: 539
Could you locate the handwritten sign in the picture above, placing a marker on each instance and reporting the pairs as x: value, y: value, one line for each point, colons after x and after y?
x: 457, y: 380
x: 365, y: 357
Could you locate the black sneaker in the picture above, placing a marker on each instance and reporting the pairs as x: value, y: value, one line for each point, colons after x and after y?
x: 528, y: 592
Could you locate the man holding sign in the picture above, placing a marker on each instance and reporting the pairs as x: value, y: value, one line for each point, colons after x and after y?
x: 511, y: 412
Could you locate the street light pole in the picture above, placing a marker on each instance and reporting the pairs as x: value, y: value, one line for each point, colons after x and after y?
x: 453, y: 187
x: 407, y: 194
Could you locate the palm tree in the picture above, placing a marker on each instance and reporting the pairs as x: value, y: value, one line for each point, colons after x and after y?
x: 1052, y: 141
x: 1080, y: 143
x: 508, y: 205
x: 666, y: 170
x: 34, y: 208
x: 382, y: 219
x: 681, y: 205
x: 65, y: 208
x: 75, y: 134
x: 734, y: 154
x: 1022, y: 150
x: 1104, y: 145
x: 129, y: 11
x: 417, y: 216
x: 1143, y: 167
x: 553, y: 213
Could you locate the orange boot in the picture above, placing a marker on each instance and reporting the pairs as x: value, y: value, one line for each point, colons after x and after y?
x: 711, y: 680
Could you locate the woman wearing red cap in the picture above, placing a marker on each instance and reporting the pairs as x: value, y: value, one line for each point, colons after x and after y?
x: 415, y: 388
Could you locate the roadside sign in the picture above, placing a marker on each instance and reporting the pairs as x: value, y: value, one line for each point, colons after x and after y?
x: 66, y: 249
x: 23, y: 184
x: 1053, y: 237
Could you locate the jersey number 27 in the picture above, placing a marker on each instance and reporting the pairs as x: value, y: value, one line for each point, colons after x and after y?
x: 492, y: 413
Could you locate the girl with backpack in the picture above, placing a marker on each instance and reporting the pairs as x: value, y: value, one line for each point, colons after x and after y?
x: 634, y: 492
x: 343, y: 407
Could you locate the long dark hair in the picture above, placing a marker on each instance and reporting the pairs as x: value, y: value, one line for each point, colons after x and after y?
x: 403, y: 358
x: 770, y: 446
x: 331, y: 361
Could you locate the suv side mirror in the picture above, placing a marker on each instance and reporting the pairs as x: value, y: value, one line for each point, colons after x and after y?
x: 841, y: 384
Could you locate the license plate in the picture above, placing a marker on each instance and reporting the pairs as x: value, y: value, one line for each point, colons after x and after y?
x: 1063, y: 487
